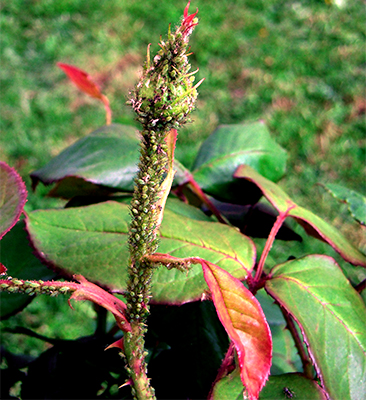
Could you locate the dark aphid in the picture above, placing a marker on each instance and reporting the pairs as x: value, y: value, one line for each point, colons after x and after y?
x: 289, y: 394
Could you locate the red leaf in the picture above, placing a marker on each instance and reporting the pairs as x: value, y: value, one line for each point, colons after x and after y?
x: 82, y: 80
x: 13, y: 196
x: 88, y: 291
x: 241, y: 315
x: 85, y: 83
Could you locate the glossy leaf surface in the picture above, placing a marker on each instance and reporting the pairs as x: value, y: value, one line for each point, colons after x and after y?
x: 20, y: 264
x: 331, y: 315
x: 301, y: 388
x: 241, y: 315
x: 107, y: 157
x: 313, y: 225
x: 92, y: 241
x: 13, y: 196
x: 230, y: 146
x: 355, y: 201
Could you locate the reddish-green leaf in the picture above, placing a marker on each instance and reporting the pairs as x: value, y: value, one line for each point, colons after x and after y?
x: 242, y: 316
x: 313, y: 225
x: 230, y: 146
x: 13, y: 196
x: 331, y: 315
x: 92, y: 241
x: 88, y: 291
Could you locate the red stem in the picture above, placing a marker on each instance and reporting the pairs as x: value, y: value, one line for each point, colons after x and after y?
x: 108, y: 110
x: 269, y: 243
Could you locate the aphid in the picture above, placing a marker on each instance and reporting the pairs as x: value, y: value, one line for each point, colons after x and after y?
x: 289, y: 394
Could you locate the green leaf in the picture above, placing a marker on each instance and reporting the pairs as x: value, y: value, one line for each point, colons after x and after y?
x: 355, y: 201
x: 230, y: 146
x: 313, y: 225
x: 295, y: 385
x: 13, y: 196
x: 92, y: 241
x: 107, y: 157
x: 17, y: 255
x: 229, y: 388
x: 241, y: 315
x: 301, y: 388
x: 331, y: 315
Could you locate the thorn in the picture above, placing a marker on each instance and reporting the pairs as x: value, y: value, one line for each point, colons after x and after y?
x: 128, y: 382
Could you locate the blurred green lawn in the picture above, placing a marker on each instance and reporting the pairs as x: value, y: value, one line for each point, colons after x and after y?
x: 298, y: 65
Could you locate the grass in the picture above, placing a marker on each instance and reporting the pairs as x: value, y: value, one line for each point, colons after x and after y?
x: 299, y: 66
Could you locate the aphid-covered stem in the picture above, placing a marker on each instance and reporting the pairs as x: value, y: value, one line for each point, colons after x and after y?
x: 162, y: 100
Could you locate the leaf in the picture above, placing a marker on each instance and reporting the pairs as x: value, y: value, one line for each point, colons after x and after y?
x: 85, y: 83
x: 230, y: 388
x: 107, y: 157
x: 331, y: 315
x: 255, y: 220
x: 13, y: 196
x: 313, y: 225
x: 92, y: 241
x: 285, y: 357
x: 81, y: 79
x: 241, y: 315
x: 355, y: 201
x: 17, y: 255
x: 88, y: 291
x: 230, y: 146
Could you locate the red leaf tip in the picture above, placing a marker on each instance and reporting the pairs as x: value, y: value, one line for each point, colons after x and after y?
x: 187, y: 23
x: 81, y: 79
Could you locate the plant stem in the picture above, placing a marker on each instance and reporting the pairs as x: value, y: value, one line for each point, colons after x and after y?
x: 269, y: 243
x: 143, y: 242
x: 162, y: 100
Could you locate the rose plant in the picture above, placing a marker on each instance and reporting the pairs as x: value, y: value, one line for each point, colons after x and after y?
x: 167, y: 251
